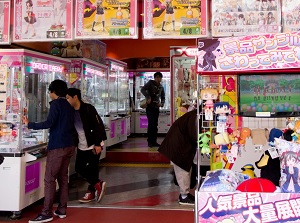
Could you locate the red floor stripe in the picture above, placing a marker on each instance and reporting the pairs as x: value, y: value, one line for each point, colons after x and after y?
x: 155, y: 200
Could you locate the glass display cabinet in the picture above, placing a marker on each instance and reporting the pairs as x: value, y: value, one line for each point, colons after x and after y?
x: 91, y: 78
x: 118, y: 118
x: 24, y: 80
x: 141, y: 122
x: 183, y: 80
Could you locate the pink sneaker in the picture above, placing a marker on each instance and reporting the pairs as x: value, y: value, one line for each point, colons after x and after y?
x: 100, y: 190
x: 88, y: 197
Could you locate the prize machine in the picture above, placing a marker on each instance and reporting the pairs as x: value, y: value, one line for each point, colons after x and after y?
x: 117, y: 118
x: 184, y: 84
x: 24, y: 80
x: 141, y: 121
x: 91, y: 78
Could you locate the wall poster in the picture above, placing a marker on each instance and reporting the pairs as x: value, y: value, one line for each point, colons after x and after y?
x: 106, y: 19
x: 175, y: 19
x: 291, y: 15
x: 5, y: 22
x: 40, y: 20
x: 244, y: 17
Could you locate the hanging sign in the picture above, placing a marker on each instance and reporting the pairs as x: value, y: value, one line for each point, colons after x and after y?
x: 38, y: 20
x: 177, y: 19
x: 259, y: 52
x: 99, y: 19
x: 4, y: 22
x: 237, y: 18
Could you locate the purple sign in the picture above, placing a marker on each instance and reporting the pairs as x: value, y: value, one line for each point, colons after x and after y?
x: 123, y: 127
x: 32, y: 177
x: 143, y: 122
x: 112, y: 129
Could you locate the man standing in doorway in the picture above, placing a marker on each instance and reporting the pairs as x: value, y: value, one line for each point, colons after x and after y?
x: 155, y: 95
x: 91, y: 134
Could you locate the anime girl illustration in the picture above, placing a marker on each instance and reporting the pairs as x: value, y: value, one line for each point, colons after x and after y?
x: 99, y: 14
x: 209, y: 58
x: 59, y: 7
x: 291, y: 170
x: 169, y: 13
x: 30, y: 18
x: 1, y: 17
x: 222, y: 109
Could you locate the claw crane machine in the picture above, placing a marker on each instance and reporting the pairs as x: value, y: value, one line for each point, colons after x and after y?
x: 91, y: 78
x: 184, y: 84
x: 141, y: 121
x: 24, y: 79
x: 117, y: 118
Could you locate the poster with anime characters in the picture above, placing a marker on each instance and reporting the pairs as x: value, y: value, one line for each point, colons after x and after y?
x: 43, y: 20
x: 106, y: 19
x: 175, y: 19
x: 4, y: 22
x: 291, y: 15
x: 244, y: 17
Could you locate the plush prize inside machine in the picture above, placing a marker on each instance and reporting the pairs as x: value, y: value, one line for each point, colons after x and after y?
x: 254, y: 153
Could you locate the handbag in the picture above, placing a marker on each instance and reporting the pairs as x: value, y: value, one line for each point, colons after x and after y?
x: 143, y: 103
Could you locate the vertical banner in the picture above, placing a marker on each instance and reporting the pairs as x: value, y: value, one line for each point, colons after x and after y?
x: 5, y: 22
x: 99, y: 19
x: 291, y: 15
x: 40, y: 20
x: 244, y: 17
x: 178, y: 19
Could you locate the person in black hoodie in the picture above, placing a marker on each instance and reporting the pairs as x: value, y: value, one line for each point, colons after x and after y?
x: 91, y: 135
x: 180, y: 146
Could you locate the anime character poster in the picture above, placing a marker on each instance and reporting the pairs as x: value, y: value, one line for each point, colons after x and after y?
x: 291, y: 15
x: 249, y: 52
x: 175, y: 19
x: 106, y: 19
x: 5, y: 22
x: 43, y: 20
x: 244, y: 17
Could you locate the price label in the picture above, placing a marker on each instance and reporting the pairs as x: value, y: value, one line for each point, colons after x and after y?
x: 56, y: 34
x: 119, y: 32
x: 185, y: 31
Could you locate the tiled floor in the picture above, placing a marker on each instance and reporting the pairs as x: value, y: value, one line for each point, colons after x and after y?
x: 131, y: 185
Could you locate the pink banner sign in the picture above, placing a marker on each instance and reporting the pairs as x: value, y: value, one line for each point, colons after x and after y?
x: 248, y: 207
x: 257, y: 52
x: 40, y: 20
x: 5, y: 22
x: 112, y: 129
x: 32, y: 178
x: 98, y: 19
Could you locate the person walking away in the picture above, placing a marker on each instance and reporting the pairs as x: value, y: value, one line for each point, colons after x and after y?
x: 180, y: 146
x: 91, y: 136
x: 155, y: 95
x: 61, y: 148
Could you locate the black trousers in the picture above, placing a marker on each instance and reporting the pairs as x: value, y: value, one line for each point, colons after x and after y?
x: 152, y: 116
x: 87, y: 165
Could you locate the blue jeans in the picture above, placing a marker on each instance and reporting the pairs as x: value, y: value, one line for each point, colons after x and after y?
x: 152, y: 116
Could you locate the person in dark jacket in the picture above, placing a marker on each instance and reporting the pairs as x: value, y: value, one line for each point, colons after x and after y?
x: 155, y: 95
x: 180, y: 146
x: 60, y: 149
x: 91, y: 136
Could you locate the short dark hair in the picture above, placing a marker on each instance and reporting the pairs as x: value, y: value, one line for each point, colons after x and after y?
x: 74, y: 91
x: 59, y: 87
x: 159, y: 74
